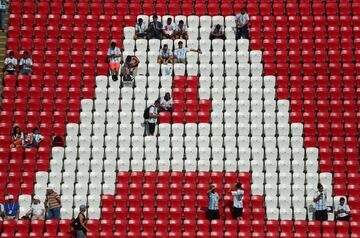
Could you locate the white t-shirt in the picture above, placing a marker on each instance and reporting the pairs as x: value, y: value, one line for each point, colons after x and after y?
x: 9, y: 60
x: 140, y: 28
x: 344, y: 207
x: 169, y: 29
x: 167, y: 104
x: 37, y: 209
x: 26, y: 62
x: 242, y: 18
x: 154, y: 111
x: 184, y: 28
x: 115, y: 51
x: 180, y: 53
x: 238, y: 195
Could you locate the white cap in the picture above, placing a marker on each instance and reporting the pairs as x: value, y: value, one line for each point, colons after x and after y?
x: 9, y: 197
x: 50, y: 187
x: 36, y: 197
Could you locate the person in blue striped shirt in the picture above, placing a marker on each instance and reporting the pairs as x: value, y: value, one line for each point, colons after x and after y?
x: 320, y: 204
x: 213, y: 207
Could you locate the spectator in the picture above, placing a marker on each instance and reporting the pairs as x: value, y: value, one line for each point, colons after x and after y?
x: 342, y: 211
x: 2, y: 212
x: 165, y: 56
x: 217, y: 32
x: 151, y: 121
x: 181, y: 31
x: 37, y: 209
x: 155, y: 30
x: 166, y: 103
x: 26, y: 64
x: 129, y: 67
x: 52, y: 203
x: 33, y: 139
x: 17, y: 138
x: 80, y: 223
x: 114, y: 55
x: 3, y: 13
x: 11, y: 208
x: 169, y: 29
x: 242, y: 25
x: 320, y: 204
x: 237, y: 202
x: 10, y: 63
x: 180, y: 53
x: 140, y: 29
x: 213, y: 208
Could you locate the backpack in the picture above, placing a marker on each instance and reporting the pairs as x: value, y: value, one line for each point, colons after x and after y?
x: 146, y: 112
x: 75, y: 224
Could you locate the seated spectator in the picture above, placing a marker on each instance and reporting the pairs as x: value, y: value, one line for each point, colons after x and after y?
x: 165, y: 56
x: 114, y: 55
x: 217, y: 32
x: 181, y: 31
x: 26, y: 64
x: 37, y: 210
x: 140, y: 30
x: 10, y: 64
x: 180, y: 53
x: 342, y: 211
x: 17, y: 138
x: 129, y: 67
x: 166, y: 103
x: 155, y: 30
x: 242, y: 25
x: 151, y: 116
x: 11, y: 208
x: 33, y: 139
x: 169, y: 29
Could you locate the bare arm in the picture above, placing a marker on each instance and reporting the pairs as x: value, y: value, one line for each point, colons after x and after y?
x: 82, y: 222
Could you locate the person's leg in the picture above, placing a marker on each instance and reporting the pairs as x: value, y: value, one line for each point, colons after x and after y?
x: 50, y: 214
x: 56, y: 213
x: 2, y: 12
x: 152, y: 128
x: 325, y: 215
x: 245, y: 32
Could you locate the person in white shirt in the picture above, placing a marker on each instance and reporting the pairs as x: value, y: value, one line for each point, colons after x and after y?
x: 181, y: 31
x: 114, y: 58
x: 180, y: 53
x: 10, y: 63
x: 33, y: 139
x: 342, y: 211
x: 169, y: 29
x: 166, y: 103
x: 242, y: 25
x: 238, y: 194
x: 140, y: 29
x: 37, y: 209
x: 319, y: 199
x: 217, y: 32
x: 151, y: 121
x: 26, y: 64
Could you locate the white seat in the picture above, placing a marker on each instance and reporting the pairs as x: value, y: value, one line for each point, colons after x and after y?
x: 153, y: 69
x: 243, y: 44
x: 192, y: 69
x: 179, y: 69
x: 243, y: 57
x: 230, y: 21
x: 169, y: 42
x: 165, y: 17
x: 217, y: 69
x: 154, y: 45
x: 244, y: 69
x: 205, y: 69
x: 129, y: 32
x: 255, y: 56
x: 153, y: 57
x: 179, y: 18
x: 193, y: 21
x: 217, y: 57
x: 192, y: 57
x: 230, y: 33
x: 256, y: 69
x: 230, y: 68
x: 72, y: 129
x: 205, y: 44
x: 87, y: 104
x: 192, y: 44
x: 217, y: 45
x: 205, y: 21
x: 230, y: 57
x: 193, y: 33
x: 217, y: 20
x: 203, y: 129
x: 129, y: 44
x: 166, y: 69
x: 145, y: 19
x: 204, y: 57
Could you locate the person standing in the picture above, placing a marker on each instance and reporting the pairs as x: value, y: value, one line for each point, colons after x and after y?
x: 52, y: 203
x: 238, y: 194
x: 242, y: 25
x: 342, y: 211
x: 114, y: 55
x: 3, y: 13
x: 11, y: 208
x: 80, y: 223
x: 213, y: 207
x: 37, y: 210
x: 151, y: 119
x: 319, y: 199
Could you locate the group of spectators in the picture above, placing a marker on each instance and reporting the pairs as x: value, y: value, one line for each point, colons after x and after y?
x: 11, y: 64
x: 19, y: 140
x: 341, y: 210
x: 49, y: 209
x: 156, y: 30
